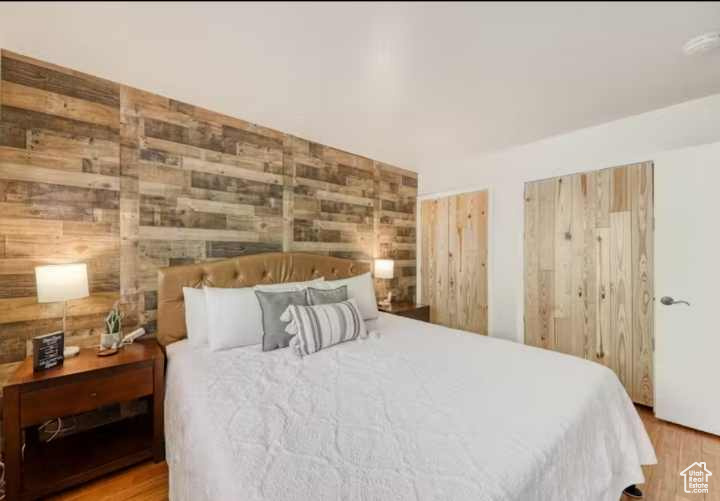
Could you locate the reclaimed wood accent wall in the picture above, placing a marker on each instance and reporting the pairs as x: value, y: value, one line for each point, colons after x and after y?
x: 454, y: 247
x: 589, y: 270
x: 129, y: 181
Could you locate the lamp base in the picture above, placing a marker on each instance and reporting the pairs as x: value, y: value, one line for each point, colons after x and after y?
x: 388, y: 300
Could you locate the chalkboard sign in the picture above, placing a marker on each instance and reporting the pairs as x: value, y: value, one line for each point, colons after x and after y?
x: 48, y: 351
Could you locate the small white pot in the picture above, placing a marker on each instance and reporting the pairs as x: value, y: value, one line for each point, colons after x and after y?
x: 109, y: 340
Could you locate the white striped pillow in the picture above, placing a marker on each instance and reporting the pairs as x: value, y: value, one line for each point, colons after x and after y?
x: 319, y: 326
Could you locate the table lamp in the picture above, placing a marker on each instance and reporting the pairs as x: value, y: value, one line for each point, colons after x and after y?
x: 385, y: 269
x: 60, y: 283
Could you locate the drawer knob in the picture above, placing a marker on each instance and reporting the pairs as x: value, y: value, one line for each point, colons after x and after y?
x: 93, y: 394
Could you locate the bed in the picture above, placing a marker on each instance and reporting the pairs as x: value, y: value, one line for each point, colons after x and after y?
x: 416, y: 412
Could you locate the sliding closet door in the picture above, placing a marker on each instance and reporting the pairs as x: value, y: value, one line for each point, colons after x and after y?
x: 467, y: 260
x: 454, y: 260
x: 588, y: 270
x: 434, y: 260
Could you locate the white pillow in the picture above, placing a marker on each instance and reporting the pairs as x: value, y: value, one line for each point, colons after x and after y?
x: 289, y: 286
x: 234, y: 318
x: 195, y: 316
x: 361, y: 288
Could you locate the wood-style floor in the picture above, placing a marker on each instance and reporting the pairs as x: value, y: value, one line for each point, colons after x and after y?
x: 677, y: 447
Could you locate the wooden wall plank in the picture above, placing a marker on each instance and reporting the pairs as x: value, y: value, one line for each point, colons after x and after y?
x: 15, y: 137
x: 621, y: 297
x: 562, y: 269
x: 442, y: 270
x: 641, y: 190
x: 457, y: 211
x: 52, y: 176
x: 584, y: 305
x: 602, y: 295
x: 602, y: 194
x: 546, y: 257
x: 532, y: 264
x: 29, y: 119
x: 619, y: 189
x: 42, y: 101
x: 546, y: 308
x: 546, y: 224
x: 427, y: 265
x: 33, y: 73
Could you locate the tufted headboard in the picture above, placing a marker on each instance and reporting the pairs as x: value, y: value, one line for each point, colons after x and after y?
x: 244, y: 271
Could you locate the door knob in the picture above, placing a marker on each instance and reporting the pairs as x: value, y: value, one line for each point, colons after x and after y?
x: 668, y: 301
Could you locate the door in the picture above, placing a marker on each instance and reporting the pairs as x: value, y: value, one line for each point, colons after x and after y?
x: 687, y: 250
x: 467, y: 262
x: 434, y: 258
x: 454, y: 260
x: 588, y: 270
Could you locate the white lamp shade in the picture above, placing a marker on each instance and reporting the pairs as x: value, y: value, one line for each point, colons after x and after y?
x: 61, y: 282
x: 384, y: 268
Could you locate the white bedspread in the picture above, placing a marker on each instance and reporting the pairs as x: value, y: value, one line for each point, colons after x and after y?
x: 422, y: 412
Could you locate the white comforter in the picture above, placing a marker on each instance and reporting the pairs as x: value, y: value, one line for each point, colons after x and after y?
x: 421, y: 412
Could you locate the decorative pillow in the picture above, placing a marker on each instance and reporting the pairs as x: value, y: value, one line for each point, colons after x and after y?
x: 320, y: 326
x: 322, y: 296
x: 196, y: 321
x: 360, y: 288
x: 272, y: 305
x: 289, y: 286
x: 233, y: 317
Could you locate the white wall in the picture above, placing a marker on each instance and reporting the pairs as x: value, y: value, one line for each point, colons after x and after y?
x: 634, y: 139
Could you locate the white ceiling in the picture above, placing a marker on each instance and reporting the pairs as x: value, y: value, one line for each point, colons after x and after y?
x: 416, y: 84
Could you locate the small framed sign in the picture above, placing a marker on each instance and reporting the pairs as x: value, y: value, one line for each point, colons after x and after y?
x: 48, y: 351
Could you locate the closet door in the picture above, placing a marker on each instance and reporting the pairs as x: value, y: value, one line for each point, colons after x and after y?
x: 434, y: 260
x: 454, y: 260
x: 588, y: 270
x: 467, y: 260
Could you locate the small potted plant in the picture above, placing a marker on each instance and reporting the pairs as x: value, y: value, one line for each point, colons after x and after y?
x: 111, y: 337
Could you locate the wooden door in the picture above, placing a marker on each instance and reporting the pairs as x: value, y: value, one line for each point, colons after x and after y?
x: 434, y: 260
x: 454, y: 260
x: 588, y: 270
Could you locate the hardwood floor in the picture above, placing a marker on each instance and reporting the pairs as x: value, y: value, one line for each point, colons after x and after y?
x: 677, y: 447
x: 144, y: 482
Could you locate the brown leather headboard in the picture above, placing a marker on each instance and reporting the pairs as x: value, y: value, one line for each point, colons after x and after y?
x: 244, y: 271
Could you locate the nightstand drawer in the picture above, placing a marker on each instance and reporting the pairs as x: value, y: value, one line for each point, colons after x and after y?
x: 42, y: 404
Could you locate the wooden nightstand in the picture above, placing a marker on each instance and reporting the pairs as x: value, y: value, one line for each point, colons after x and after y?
x: 82, y: 384
x: 410, y: 310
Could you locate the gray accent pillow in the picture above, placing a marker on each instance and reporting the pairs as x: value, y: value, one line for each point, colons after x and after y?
x: 273, y: 305
x: 327, y: 296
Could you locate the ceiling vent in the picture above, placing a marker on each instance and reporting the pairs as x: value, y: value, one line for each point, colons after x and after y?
x: 703, y: 43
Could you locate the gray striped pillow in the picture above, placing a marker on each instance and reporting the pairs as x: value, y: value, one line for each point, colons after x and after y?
x: 319, y: 326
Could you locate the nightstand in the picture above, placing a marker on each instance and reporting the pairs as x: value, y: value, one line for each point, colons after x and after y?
x: 409, y: 310
x: 83, y: 383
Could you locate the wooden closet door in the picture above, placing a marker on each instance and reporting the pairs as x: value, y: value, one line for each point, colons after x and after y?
x: 588, y: 270
x: 454, y: 260
x: 467, y: 297
x: 434, y: 260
